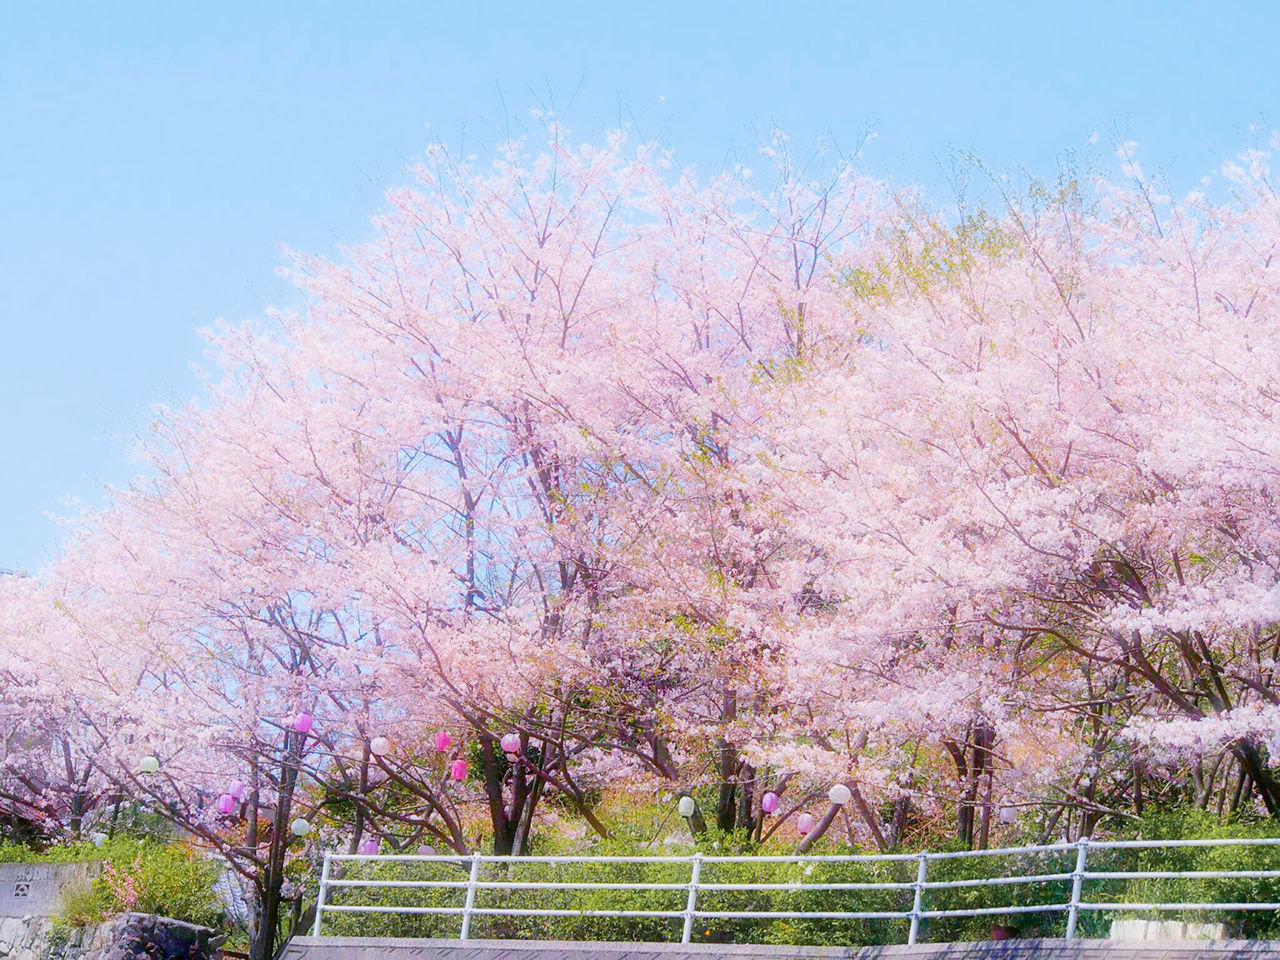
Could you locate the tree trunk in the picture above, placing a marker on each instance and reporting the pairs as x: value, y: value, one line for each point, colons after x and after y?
x: 746, y: 797
x: 1251, y: 759
x: 727, y: 808
x: 263, y: 936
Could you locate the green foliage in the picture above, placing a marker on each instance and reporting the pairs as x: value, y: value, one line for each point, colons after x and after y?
x: 1196, y: 824
x: 80, y: 905
x: 971, y: 877
x: 928, y: 255
x: 170, y: 880
x: 976, y: 891
x: 138, y: 875
x: 80, y: 851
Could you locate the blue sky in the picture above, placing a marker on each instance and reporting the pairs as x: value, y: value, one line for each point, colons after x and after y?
x: 153, y: 156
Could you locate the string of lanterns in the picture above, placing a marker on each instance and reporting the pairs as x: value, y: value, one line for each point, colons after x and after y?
x: 510, y: 743
x: 839, y: 795
x: 303, y: 722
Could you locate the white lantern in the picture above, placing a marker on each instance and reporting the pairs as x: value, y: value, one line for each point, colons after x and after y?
x: 300, y: 827
x: 686, y: 806
x: 379, y: 746
x: 839, y: 795
x: 1008, y: 814
x: 149, y: 764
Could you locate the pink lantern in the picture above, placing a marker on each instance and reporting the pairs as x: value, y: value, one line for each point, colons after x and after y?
x: 510, y: 743
x: 226, y: 804
x: 236, y: 790
x: 443, y: 741
x: 458, y: 770
x: 805, y: 823
x: 370, y: 845
x: 769, y: 802
x: 302, y: 722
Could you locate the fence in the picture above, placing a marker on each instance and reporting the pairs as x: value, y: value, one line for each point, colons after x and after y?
x: 333, y: 879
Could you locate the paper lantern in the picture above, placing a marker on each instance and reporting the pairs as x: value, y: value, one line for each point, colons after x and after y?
x: 1008, y: 814
x: 769, y: 802
x: 510, y: 743
x: 226, y: 804
x: 443, y: 741
x: 300, y: 827
x: 839, y: 795
x: 236, y: 790
x: 686, y: 806
x: 805, y: 823
x: 149, y: 764
x: 302, y: 722
x: 379, y: 746
x: 370, y: 846
x: 458, y: 770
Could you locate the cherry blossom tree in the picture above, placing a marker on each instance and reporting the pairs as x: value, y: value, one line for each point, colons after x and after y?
x: 584, y: 468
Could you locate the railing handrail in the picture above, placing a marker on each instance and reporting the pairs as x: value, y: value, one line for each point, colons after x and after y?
x: 1079, y: 875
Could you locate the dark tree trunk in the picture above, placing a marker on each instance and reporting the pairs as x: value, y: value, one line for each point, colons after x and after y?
x: 262, y: 940
x: 727, y: 808
x: 1251, y: 760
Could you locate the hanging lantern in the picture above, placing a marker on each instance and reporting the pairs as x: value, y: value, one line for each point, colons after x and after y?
x: 686, y: 806
x: 839, y: 795
x: 149, y: 764
x: 370, y: 846
x: 443, y: 741
x: 380, y: 746
x: 769, y: 802
x: 300, y: 827
x: 236, y: 790
x: 302, y: 722
x: 510, y: 744
x: 226, y: 804
x: 458, y: 770
x: 1008, y: 814
x: 805, y: 823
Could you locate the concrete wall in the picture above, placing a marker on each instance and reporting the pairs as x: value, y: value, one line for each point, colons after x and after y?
x: 31, y: 889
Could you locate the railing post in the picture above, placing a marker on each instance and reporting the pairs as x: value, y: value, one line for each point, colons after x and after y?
x: 917, y: 904
x: 1077, y: 882
x: 320, y: 897
x: 471, y: 896
x: 691, y: 904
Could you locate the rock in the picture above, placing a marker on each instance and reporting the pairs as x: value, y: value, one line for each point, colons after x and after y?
x: 140, y: 936
x: 134, y: 936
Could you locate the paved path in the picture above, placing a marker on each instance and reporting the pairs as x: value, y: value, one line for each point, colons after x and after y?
x: 372, y: 948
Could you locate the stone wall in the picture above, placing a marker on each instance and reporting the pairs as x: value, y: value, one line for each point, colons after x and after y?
x: 134, y: 936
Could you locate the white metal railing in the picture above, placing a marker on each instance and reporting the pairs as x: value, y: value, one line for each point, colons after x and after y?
x: 694, y: 886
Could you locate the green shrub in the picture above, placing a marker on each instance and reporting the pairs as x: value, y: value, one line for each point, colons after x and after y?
x: 1194, y: 824
x: 972, y: 876
x: 143, y: 876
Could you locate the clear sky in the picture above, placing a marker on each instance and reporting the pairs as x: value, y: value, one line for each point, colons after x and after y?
x: 154, y: 155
